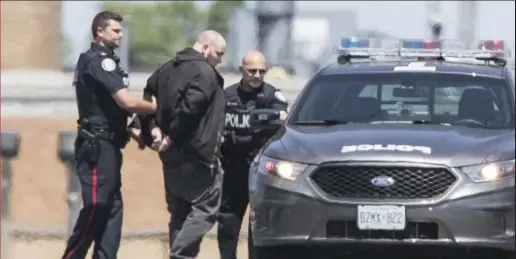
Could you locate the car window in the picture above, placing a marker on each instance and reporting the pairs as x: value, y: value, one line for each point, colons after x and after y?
x: 439, y: 98
x: 393, y: 104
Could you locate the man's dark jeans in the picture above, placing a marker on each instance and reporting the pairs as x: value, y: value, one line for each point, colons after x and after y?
x: 193, y: 193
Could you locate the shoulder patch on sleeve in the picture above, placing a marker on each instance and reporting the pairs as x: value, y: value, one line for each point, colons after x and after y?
x: 280, y: 96
x: 108, y: 64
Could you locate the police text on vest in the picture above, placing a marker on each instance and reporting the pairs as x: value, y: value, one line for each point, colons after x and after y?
x: 240, y: 121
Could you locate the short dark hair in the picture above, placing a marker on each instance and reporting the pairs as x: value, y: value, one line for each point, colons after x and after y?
x: 102, y: 20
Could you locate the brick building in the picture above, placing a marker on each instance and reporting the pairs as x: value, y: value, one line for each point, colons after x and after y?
x: 31, y: 35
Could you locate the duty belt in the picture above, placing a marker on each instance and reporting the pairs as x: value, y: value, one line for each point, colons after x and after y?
x: 94, y: 132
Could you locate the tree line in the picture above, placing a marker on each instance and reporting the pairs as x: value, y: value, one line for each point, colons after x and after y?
x: 158, y: 31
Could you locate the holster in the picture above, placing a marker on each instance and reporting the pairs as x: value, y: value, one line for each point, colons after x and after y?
x: 91, y: 144
x: 91, y: 136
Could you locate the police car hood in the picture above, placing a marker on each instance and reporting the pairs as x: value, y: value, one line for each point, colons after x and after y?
x: 449, y: 145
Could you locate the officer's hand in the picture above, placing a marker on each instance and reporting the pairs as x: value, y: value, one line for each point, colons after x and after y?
x: 283, y: 115
x: 154, y: 102
x: 131, y: 119
x: 222, y: 139
x: 157, y: 137
x: 135, y: 133
x: 165, y: 144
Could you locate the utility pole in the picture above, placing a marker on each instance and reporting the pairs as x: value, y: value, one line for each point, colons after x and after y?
x: 275, y: 31
x: 467, y: 21
x: 435, y: 20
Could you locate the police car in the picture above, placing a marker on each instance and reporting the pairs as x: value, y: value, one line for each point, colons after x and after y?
x: 399, y: 144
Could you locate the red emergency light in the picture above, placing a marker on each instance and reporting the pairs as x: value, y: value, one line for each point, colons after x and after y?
x: 431, y: 45
x: 495, y: 45
x: 420, y: 44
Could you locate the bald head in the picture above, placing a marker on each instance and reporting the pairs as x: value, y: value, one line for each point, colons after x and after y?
x: 254, y: 57
x: 254, y: 66
x: 211, y: 37
x: 212, y: 45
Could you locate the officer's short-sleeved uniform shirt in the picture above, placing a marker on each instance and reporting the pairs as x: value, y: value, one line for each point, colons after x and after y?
x: 97, y: 77
x: 240, y: 103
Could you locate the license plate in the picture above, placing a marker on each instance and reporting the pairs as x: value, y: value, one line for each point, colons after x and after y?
x: 381, y: 217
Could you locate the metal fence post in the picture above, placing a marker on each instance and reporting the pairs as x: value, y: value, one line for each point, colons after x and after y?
x: 10, y: 148
x: 66, y: 153
x: 125, y: 45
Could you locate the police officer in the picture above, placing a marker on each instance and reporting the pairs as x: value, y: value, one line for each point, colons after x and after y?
x: 241, y: 144
x: 104, y: 103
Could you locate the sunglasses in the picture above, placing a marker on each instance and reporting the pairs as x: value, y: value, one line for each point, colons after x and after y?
x: 253, y: 71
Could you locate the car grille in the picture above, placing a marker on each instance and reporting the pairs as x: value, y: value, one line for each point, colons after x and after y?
x: 409, y: 182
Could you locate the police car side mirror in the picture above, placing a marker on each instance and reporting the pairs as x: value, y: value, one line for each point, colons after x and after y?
x: 260, y: 119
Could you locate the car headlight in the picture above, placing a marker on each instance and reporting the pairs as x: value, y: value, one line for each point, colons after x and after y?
x: 490, y: 172
x: 280, y: 168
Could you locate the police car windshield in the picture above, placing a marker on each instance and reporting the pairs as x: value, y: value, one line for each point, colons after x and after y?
x: 431, y: 98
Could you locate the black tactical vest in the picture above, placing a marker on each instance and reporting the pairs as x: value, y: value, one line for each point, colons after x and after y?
x: 238, y: 131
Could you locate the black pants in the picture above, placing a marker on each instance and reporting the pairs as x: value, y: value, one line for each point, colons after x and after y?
x: 193, y: 192
x: 100, y: 219
x: 235, y: 198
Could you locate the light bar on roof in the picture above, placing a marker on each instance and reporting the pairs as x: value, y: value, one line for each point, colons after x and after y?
x: 420, y: 44
x: 367, y: 47
x: 420, y: 48
x: 453, y: 45
x: 357, y: 47
x: 354, y: 42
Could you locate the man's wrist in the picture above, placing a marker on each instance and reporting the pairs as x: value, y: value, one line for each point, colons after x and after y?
x: 155, y: 129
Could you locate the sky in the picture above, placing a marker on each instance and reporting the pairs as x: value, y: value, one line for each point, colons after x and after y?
x: 403, y: 19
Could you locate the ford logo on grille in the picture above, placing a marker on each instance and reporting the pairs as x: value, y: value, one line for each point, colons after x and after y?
x: 382, y: 181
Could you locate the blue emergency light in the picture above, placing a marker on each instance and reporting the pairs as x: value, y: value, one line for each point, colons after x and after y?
x: 354, y: 43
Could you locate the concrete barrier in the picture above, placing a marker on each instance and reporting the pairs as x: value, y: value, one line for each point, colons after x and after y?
x: 50, y: 94
x: 66, y: 154
x: 10, y: 149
